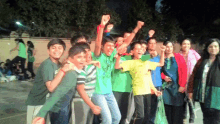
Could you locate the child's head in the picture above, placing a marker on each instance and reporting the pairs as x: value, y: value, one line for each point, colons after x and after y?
x: 186, y: 45
x: 152, y: 43
x: 80, y: 37
x: 119, y: 41
x: 18, y: 40
x: 30, y: 44
x: 77, y: 55
x: 143, y: 45
x: 56, y: 48
x: 108, y: 45
x: 136, y: 50
x: 86, y: 47
x: 169, y: 47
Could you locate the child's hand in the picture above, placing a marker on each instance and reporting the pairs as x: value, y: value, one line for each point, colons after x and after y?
x: 68, y: 66
x: 105, y: 19
x: 163, y: 48
x: 38, y: 120
x: 190, y: 95
x: 158, y: 93
x: 153, y: 53
x: 110, y: 26
x: 140, y: 24
x: 96, y: 63
x: 96, y: 110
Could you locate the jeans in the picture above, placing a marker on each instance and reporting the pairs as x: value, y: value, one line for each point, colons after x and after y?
x: 62, y: 117
x: 174, y: 114
x: 210, y: 115
x: 142, y: 109
x: 110, y: 112
x: 154, y: 104
x: 122, y: 99
x: 30, y: 69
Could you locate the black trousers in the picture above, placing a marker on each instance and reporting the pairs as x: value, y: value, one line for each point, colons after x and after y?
x: 174, y: 114
x: 191, y: 112
x: 210, y: 115
x: 142, y: 109
x: 154, y: 104
x: 122, y: 100
x: 30, y: 69
x: 16, y: 60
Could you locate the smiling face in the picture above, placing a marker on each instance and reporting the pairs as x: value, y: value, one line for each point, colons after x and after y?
x: 137, y: 51
x: 144, y: 47
x: 186, y: 45
x: 169, y: 48
x: 120, y: 41
x: 78, y: 60
x: 55, y: 51
x: 88, y: 55
x: 108, y: 48
x: 152, y: 43
x: 213, y: 48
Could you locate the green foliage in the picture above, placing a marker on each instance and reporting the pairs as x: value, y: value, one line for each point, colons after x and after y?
x: 6, y: 13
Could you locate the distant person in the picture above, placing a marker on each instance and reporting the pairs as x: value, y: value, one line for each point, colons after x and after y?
x: 20, y: 46
x: 31, y: 59
x: 191, y: 57
x: 79, y: 37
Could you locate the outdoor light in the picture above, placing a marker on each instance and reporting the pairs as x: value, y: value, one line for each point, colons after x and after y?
x: 18, y: 23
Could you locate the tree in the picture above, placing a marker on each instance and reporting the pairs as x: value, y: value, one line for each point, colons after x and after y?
x: 6, y: 14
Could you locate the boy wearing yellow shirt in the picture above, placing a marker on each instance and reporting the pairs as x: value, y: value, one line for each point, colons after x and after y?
x: 142, y: 84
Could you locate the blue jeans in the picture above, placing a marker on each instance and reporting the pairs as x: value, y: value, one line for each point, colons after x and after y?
x: 110, y: 112
x: 62, y: 117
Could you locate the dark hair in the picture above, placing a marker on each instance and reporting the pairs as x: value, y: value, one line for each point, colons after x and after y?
x: 1, y: 63
x: 134, y: 43
x: 20, y: 40
x: 208, y: 42
x: 108, y: 39
x: 83, y: 45
x: 78, y: 36
x: 166, y: 42
x: 56, y: 41
x: 151, y: 38
x: 143, y: 42
x: 186, y: 39
x: 31, y: 44
x: 76, y: 50
x: 8, y: 61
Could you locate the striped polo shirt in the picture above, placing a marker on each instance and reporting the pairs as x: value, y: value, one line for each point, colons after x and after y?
x: 87, y: 77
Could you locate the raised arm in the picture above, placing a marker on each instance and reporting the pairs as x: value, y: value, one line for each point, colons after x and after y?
x: 15, y: 48
x: 131, y: 36
x: 98, y: 43
x: 162, y: 48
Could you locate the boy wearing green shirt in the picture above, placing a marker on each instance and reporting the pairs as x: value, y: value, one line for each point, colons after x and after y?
x: 59, y: 101
x: 45, y: 80
x: 141, y: 80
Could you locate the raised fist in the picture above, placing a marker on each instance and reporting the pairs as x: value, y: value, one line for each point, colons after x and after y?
x: 140, y: 24
x: 105, y: 19
x: 110, y: 26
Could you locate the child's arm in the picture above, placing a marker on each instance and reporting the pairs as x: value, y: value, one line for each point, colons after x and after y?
x: 98, y: 43
x: 15, y: 48
x: 52, y: 84
x: 81, y: 90
x: 117, y: 63
x: 161, y: 63
x: 68, y: 83
x: 131, y: 36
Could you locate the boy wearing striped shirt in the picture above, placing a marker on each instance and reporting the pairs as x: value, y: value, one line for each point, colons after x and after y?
x: 86, y: 81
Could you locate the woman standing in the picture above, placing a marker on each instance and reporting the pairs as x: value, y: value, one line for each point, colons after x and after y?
x: 31, y: 59
x: 191, y: 57
x: 20, y: 46
x: 204, y: 83
x: 175, y: 75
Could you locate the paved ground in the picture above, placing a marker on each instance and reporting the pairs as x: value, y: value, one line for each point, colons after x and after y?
x: 12, y: 103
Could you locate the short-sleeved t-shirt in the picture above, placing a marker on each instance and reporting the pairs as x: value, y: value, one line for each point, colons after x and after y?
x: 22, y: 51
x: 103, y: 83
x: 141, y: 76
x: 88, y: 78
x: 121, y: 81
x: 30, y: 55
x: 156, y: 74
x: 46, y: 72
x: 62, y: 95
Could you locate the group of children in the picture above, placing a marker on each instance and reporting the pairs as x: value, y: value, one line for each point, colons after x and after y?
x: 105, y: 81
